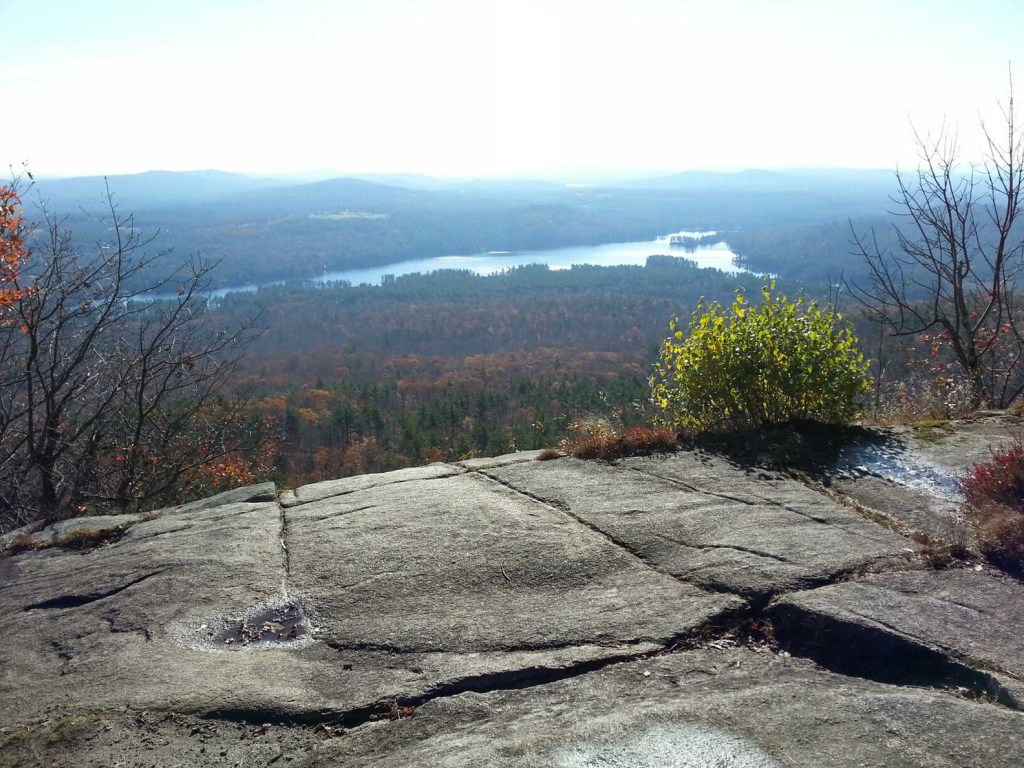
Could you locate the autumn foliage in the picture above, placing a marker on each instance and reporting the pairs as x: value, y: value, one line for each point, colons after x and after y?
x: 12, y: 247
x: 111, y: 400
x: 754, y: 365
x: 994, y: 491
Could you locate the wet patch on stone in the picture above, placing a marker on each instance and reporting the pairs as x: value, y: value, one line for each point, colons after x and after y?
x: 284, y: 624
x: 281, y: 624
x: 898, y: 466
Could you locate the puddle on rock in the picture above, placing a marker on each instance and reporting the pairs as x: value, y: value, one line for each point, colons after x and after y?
x: 285, y: 624
x: 279, y: 624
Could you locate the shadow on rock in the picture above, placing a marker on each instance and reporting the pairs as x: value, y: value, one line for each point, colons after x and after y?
x: 806, y: 446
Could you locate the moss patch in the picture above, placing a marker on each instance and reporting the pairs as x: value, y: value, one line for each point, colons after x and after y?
x: 932, y: 430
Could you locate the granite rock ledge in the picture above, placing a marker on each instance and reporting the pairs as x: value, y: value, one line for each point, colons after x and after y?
x: 665, y: 611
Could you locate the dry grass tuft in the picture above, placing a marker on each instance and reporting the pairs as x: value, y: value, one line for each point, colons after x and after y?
x: 597, y: 440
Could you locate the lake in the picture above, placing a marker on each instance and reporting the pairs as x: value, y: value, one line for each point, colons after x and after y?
x: 718, y: 256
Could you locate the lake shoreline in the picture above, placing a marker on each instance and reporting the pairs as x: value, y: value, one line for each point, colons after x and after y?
x: 716, y: 255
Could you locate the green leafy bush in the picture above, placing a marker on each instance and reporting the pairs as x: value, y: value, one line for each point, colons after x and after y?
x: 751, y: 366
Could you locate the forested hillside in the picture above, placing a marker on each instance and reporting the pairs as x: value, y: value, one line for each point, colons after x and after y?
x: 450, y: 364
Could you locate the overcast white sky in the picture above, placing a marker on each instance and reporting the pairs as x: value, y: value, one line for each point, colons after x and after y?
x: 474, y: 87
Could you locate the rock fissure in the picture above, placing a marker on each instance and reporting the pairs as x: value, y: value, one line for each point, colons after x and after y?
x: 564, y: 510
x: 733, y: 547
x: 286, y: 555
x: 871, y: 515
x: 752, y: 630
x: 78, y: 600
x: 401, y: 705
x: 750, y: 502
x: 297, y: 502
x: 950, y: 654
x: 397, y: 650
x: 116, y: 628
x: 345, y: 512
x: 374, y: 577
x: 158, y: 534
x: 881, y: 653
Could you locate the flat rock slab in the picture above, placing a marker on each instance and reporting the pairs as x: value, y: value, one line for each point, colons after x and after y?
x: 509, y: 612
x: 709, y: 523
x: 955, y: 445
x: 732, y: 708
x: 347, y: 485
x: 969, y: 616
x: 398, y: 587
x: 467, y: 565
x: 103, y: 628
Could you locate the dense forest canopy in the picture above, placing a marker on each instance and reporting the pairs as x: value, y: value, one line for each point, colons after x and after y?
x: 449, y: 364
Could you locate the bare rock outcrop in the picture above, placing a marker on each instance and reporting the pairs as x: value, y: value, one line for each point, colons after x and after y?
x: 667, y: 611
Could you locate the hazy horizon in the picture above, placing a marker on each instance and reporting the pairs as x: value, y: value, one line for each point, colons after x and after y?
x: 454, y: 88
x: 567, y: 176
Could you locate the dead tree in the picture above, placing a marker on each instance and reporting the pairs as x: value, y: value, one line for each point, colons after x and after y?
x: 111, y: 377
x: 952, y: 280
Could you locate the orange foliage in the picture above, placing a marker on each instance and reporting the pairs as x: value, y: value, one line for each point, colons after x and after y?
x: 231, y: 471
x: 12, y: 246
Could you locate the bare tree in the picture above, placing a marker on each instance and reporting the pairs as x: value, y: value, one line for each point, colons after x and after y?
x: 111, y: 378
x: 954, y: 275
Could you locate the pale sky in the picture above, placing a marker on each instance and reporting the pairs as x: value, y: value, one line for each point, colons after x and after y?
x: 477, y: 88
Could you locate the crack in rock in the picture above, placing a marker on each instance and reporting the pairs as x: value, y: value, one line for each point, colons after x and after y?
x: 291, y: 499
x: 734, y: 547
x: 879, y: 652
x: 344, y: 512
x: 286, y: 555
x: 75, y: 601
x: 397, y: 650
x: 750, y: 502
x: 928, y: 668
x: 565, y: 510
x: 402, y: 705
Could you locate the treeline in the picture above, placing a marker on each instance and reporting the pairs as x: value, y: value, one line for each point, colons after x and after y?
x: 341, y: 428
x: 827, y: 253
x: 816, y: 254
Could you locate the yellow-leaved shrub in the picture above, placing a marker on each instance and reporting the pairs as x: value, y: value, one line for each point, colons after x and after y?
x: 754, y: 365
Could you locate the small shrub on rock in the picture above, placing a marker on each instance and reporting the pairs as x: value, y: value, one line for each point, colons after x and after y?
x: 999, y: 480
x: 994, y: 491
x: 752, y: 366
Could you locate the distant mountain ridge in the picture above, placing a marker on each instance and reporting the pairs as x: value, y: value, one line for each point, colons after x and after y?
x: 151, y: 189
x: 263, y: 229
x: 159, y: 189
